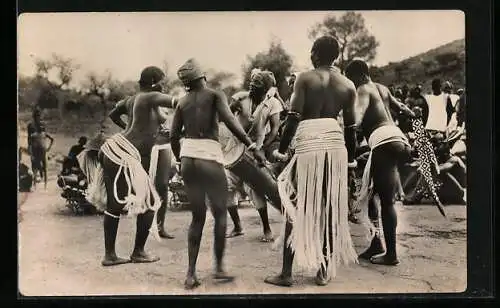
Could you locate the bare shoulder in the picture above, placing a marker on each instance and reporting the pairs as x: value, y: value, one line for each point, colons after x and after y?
x: 365, y: 89
x: 305, y: 77
x: 216, y: 94
x: 383, y: 89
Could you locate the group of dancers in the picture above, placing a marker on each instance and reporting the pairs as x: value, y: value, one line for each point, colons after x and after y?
x: 307, y: 180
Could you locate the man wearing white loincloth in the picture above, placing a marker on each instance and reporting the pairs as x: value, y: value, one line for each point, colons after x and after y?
x: 388, y: 147
x: 201, y: 162
x: 161, y: 164
x: 124, y: 158
x: 313, y: 186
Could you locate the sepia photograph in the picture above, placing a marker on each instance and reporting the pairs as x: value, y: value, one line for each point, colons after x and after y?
x: 250, y: 152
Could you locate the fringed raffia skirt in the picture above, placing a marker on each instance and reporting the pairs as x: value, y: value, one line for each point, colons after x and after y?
x: 313, y: 190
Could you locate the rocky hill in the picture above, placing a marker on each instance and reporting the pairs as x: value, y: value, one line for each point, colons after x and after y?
x: 446, y: 62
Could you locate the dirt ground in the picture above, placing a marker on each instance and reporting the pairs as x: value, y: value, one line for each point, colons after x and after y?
x: 60, y: 254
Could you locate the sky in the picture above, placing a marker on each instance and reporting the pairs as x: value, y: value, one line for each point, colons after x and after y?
x: 124, y: 43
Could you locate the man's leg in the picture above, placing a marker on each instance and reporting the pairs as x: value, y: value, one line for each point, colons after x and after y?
x: 196, y: 197
x: 322, y: 277
x: 284, y: 279
x: 385, y: 161
x: 215, y: 182
x: 163, y: 176
x: 260, y: 204
x: 143, y: 225
x: 232, y: 204
x: 44, y: 168
x: 112, y: 213
x: 376, y: 246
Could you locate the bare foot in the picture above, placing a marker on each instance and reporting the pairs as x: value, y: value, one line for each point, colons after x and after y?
x: 114, y: 260
x: 191, y: 283
x: 164, y: 234
x: 143, y: 257
x: 375, y: 248
x: 235, y: 233
x: 222, y: 276
x: 267, y: 238
x: 279, y: 280
x: 385, y: 260
x: 322, y: 278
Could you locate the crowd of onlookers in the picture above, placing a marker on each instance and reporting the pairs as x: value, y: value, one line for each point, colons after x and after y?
x: 443, y: 114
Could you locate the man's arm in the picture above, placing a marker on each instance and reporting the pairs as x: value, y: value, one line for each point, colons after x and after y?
x: 461, y: 111
x: 51, y: 140
x: 119, y: 110
x: 295, y: 114
x: 163, y: 100
x: 400, y: 106
x: 229, y: 119
x: 449, y: 110
x: 175, y: 133
x: 350, y: 116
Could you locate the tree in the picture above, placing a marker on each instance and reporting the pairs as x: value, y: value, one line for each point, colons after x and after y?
x: 354, y: 39
x: 66, y: 67
x: 219, y: 80
x: 276, y: 60
x: 54, y: 94
x: 100, y: 86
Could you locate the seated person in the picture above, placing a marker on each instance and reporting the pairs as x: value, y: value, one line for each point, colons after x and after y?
x: 70, y: 163
x: 25, y: 175
x: 452, y: 171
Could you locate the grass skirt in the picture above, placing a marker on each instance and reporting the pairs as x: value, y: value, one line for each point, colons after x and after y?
x: 313, y: 189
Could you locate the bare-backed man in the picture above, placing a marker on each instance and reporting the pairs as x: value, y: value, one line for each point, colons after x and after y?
x: 162, y: 162
x: 125, y: 159
x: 202, y: 163
x: 313, y: 186
x: 388, y: 147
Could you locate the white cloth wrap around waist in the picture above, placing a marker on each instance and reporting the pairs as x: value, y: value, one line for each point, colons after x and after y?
x: 141, y: 194
x: 155, y: 153
x: 381, y: 135
x: 313, y: 191
x: 207, y: 149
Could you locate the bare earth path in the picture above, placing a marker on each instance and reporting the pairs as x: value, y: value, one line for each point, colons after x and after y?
x: 60, y: 254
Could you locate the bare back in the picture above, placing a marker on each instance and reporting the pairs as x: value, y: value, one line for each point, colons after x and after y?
x: 372, y: 110
x: 129, y: 104
x: 325, y: 93
x: 199, y: 114
x: 145, y: 121
x: 385, y: 94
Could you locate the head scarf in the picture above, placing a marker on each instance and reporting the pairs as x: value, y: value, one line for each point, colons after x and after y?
x: 190, y: 71
x: 262, y: 79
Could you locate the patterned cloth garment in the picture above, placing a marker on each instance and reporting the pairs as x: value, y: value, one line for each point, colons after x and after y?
x: 428, y: 165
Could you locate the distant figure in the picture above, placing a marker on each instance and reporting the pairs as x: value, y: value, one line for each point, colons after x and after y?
x: 37, y: 146
x: 440, y: 109
x: 461, y: 106
x: 75, y: 150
